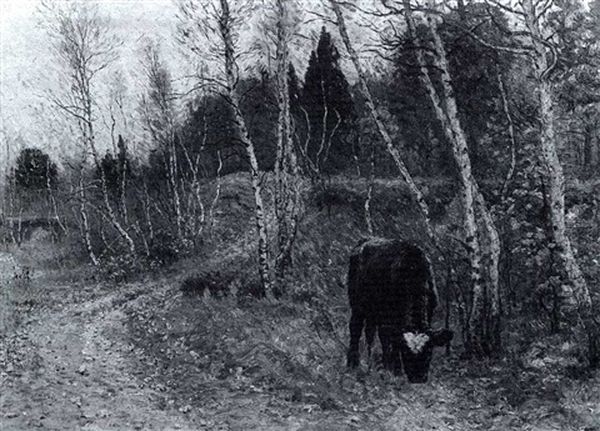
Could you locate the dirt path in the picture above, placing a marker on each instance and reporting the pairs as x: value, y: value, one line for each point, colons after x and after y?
x: 68, y: 361
x: 72, y: 368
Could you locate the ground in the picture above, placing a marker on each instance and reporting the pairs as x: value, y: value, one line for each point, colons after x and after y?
x: 78, y: 354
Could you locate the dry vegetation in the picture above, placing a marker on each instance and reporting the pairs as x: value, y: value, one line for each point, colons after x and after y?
x: 225, y: 359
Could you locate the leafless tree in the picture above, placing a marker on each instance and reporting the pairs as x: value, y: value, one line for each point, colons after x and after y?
x: 533, y: 38
x: 287, y: 176
x: 84, y: 47
x: 211, y: 28
x: 158, y: 113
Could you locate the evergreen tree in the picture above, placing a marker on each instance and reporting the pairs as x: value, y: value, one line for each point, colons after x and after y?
x: 34, y: 170
x: 475, y: 71
x: 260, y: 108
x: 327, y: 101
x: 115, y: 169
x: 295, y: 93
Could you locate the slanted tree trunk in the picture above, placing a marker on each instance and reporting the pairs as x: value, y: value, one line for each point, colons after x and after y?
x: 225, y: 28
x: 112, y: 217
x: 85, y: 48
x: 85, y: 227
x: 382, y: 130
x: 484, y: 299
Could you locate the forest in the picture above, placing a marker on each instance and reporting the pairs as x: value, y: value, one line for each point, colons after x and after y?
x: 183, y: 261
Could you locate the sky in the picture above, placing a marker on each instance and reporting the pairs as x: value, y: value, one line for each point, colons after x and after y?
x: 27, y: 63
x: 27, y: 66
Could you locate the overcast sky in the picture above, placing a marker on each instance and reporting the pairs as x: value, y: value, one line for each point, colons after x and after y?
x: 26, y: 59
x: 26, y: 63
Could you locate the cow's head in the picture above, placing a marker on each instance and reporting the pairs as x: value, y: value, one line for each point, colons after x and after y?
x: 416, y: 350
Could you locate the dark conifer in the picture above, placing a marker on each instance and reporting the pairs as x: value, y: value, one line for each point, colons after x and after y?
x: 327, y: 100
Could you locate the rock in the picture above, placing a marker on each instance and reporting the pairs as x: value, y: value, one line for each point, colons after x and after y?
x: 82, y: 370
x: 185, y: 409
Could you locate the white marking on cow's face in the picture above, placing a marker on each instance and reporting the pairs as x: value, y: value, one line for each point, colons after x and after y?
x: 416, y: 342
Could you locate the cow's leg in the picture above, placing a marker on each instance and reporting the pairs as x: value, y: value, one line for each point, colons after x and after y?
x: 386, y: 346
x: 396, y: 360
x: 370, y: 328
x: 356, y: 326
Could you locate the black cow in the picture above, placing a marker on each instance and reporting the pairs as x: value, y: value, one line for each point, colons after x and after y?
x: 392, y: 290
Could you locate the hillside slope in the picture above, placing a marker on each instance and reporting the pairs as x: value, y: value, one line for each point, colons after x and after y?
x: 82, y: 354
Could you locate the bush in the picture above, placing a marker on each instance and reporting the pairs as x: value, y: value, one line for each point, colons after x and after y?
x: 164, y: 249
x: 214, y: 283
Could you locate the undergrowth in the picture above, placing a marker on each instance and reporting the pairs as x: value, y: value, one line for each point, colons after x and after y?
x: 214, y: 337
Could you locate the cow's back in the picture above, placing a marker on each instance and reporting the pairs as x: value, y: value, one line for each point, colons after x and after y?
x: 389, y: 283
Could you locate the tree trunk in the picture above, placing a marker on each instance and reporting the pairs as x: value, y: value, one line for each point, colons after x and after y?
x: 109, y: 209
x: 172, y: 174
x: 52, y: 200
x: 491, y: 249
x: 370, y: 188
x: 382, y: 130
x: 594, y: 149
x: 225, y: 24
x: 511, y: 134
x: 477, y: 338
x: 213, y: 205
x: 287, y: 194
x: 577, y: 294
x: 85, y: 227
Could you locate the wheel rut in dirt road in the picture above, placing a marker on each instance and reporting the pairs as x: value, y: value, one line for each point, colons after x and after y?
x: 72, y: 368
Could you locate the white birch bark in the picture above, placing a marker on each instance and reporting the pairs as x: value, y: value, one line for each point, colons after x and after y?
x: 287, y: 195
x: 544, y: 58
x: 225, y: 24
x: 480, y: 316
x: 382, y: 130
x: 85, y: 48
x: 85, y: 227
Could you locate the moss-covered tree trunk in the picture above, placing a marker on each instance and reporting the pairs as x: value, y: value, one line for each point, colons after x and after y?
x: 544, y: 59
x: 287, y: 195
x: 482, y: 247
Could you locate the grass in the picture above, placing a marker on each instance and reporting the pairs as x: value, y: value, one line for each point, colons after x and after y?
x: 234, y: 361
x: 287, y: 358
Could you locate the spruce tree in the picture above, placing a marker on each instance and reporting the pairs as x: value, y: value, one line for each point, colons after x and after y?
x: 34, y: 170
x: 294, y: 90
x: 328, y: 103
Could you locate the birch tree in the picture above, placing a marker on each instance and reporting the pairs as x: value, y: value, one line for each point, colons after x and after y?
x: 288, y: 193
x: 483, y: 246
x: 84, y: 47
x: 535, y: 40
x: 380, y: 125
x: 216, y: 24
x: 544, y: 57
x: 158, y: 113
